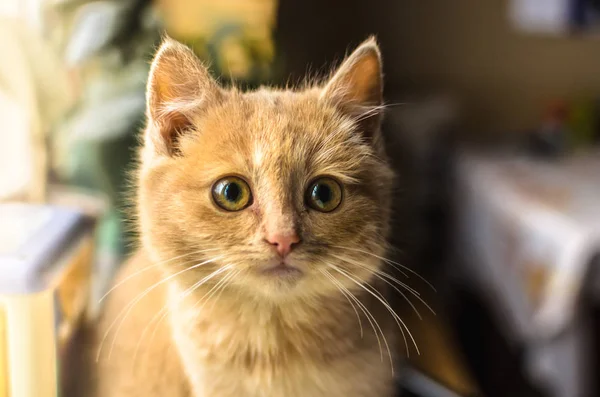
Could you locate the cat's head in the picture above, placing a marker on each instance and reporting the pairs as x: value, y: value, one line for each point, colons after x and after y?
x: 281, y: 193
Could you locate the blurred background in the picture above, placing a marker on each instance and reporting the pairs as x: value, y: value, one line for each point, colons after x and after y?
x: 492, y: 125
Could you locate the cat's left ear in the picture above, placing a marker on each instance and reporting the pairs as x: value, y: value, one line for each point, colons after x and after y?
x: 179, y: 88
x: 357, y: 86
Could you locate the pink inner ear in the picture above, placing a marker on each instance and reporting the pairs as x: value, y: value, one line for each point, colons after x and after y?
x: 179, y: 85
x: 358, y: 81
x: 356, y: 88
x: 172, y: 125
x: 364, y: 83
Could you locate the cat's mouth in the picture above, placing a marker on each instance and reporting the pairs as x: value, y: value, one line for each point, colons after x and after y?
x: 282, y: 270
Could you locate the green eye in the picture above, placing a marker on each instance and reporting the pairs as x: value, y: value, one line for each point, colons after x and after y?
x: 232, y: 193
x: 324, y: 194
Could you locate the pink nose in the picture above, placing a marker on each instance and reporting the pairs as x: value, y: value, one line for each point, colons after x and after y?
x: 284, y: 243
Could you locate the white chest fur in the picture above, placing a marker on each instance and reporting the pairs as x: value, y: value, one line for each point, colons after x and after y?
x: 230, y: 354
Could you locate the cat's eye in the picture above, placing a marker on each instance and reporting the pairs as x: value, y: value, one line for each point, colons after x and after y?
x: 324, y: 194
x: 232, y: 193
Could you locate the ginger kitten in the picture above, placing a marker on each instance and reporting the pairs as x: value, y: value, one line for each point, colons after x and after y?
x: 263, y: 216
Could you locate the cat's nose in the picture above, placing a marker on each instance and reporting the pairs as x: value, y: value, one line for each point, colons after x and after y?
x: 284, y: 243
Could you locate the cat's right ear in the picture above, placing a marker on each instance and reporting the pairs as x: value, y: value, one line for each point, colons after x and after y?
x: 179, y: 87
x: 356, y: 88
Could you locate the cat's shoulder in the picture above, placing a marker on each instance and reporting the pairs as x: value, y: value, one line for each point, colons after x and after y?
x: 138, y: 280
x: 136, y: 355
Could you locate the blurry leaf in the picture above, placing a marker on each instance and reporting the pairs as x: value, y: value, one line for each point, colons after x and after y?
x: 97, y: 25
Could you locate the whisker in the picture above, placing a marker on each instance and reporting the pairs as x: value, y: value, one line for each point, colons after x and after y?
x: 373, y: 110
x: 379, y: 297
x: 212, y: 291
x: 191, y: 290
x: 150, y: 267
x: 164, y: 311
x: 219, y: 286
x: 400, y: 283
x: 391, y: 262
x: 381, y: 272
x: 229, y: 279
x: 127, y: 309
x: 385, y: 304
x: 383, y: 276
x: 377, y: 324
x: 363, y: 308
x: 368, y: 313
x: 393, y: 286
x: 351, y: 304
x: 416, y: 295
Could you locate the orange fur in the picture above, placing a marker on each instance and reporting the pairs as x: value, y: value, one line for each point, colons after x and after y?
x: 241, y: 332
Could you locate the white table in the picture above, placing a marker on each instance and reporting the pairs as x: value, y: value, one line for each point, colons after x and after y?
x: 528, y: 230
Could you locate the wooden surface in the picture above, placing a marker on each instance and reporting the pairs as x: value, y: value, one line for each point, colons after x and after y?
x: 3, y: 355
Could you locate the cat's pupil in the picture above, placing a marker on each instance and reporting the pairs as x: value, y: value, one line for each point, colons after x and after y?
x: 232, y: 192
x: 322, y: 193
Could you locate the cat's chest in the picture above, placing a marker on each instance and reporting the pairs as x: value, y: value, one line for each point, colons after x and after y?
x: 256, y: 354
x: 340, y: 380
x: 358, y: 374
x: 261, y: 349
